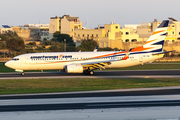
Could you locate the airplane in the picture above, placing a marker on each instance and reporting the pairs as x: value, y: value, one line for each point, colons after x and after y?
x: 87, y: 62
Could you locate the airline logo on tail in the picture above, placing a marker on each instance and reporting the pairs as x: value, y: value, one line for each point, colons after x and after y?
x: 155, y: 41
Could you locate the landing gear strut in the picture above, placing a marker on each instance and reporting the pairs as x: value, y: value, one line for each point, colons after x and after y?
x: 88, y: 72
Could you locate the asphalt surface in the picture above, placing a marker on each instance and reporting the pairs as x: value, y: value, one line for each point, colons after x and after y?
x: 95, y: 94
x: 72, y: 106
x: 89, y: 105
x: 117, y: 73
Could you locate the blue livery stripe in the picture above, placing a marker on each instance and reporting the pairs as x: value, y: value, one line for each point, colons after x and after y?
x: 159, y: 43
x: 164, y: 24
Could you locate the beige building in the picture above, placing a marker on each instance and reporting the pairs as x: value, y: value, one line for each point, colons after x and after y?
x: 65, y: 24
x: 144, y: 30
x: 107, y: 36
x: 129, y: 34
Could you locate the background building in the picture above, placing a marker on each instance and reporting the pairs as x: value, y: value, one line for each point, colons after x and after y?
x: 33, y: 32
x: 108, y: 35
x: 65, y: 25
x: 5, y: 29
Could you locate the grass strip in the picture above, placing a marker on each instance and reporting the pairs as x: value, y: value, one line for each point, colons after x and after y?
x: 24, y: 86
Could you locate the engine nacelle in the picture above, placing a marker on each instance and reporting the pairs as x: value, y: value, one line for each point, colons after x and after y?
x: 74, y: 68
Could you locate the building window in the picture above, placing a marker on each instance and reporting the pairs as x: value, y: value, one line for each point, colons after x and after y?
x: 173, y: 32
x: 87, y: 35
x: 133, y: 40
x: 179, y: 33
x: 102, y: 44
x: 92, y: 35
x: 121, y: 33
x: 96, y: 35
x: 172, y: 25
x: 83, y: 35
x: 127, y: 40
x: 116, y: 27
x: 127, y: 33
x: 78, y: 35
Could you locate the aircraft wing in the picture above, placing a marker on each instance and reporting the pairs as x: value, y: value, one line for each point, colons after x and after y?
x: 102, y: 64
x: 98, y: 64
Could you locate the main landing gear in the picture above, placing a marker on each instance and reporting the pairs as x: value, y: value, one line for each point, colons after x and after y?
x: 88, y: 72
x: 22, y: 73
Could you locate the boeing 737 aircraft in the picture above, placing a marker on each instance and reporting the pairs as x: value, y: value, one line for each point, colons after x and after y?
x: 86, y: 62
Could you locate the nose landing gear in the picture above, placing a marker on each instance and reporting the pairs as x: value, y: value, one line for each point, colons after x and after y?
x: 22, y: 73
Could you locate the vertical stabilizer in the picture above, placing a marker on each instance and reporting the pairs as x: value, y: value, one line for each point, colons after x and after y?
x: 156, y: 40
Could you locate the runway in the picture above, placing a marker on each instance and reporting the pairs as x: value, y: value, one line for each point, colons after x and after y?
x: 97, y: 74
x: 154, y: 103
x: 147, y: 103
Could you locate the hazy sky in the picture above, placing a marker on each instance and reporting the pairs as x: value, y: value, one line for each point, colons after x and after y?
x: 96, y: 12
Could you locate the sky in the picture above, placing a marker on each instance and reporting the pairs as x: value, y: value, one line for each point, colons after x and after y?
x: 91, y: 12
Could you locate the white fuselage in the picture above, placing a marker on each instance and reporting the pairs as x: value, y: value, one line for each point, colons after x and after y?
x: 58, y: 60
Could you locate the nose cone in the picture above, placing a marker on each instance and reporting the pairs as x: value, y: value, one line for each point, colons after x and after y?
x: 8, y: 64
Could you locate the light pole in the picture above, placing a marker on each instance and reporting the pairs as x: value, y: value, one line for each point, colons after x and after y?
x: 64, y: 45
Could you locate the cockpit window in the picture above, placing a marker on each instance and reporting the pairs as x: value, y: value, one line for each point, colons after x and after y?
x: 15, y: 59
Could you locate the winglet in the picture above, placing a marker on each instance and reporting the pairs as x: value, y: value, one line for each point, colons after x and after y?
x: 95, y: 50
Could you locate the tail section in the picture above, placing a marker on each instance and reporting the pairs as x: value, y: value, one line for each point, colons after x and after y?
x: 156, y: 40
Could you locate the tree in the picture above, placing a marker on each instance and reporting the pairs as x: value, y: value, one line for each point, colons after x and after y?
x: 15, y: 44
x: 2, y: 37
x: 56, y: 47
x: 105, y: 49
x: 1, y: 45
x: 58, y: 37
x: 32, y: 43
x: 87, y: 45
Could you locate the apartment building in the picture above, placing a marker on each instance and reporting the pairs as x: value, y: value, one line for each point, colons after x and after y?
x: 65, y: 24
x: 129, y: 34
x: 108, y: 35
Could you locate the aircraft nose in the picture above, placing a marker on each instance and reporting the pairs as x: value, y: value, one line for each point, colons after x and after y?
x: 8, y: 64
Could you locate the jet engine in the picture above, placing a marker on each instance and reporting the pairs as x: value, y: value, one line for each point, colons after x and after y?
x: 74, y: 68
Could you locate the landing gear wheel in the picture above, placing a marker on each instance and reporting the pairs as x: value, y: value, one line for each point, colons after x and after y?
x: 88, y: 72
x: 91, y: 72
x: 22, y: 73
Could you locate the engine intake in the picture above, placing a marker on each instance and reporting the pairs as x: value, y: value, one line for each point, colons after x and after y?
x: 74, y: 68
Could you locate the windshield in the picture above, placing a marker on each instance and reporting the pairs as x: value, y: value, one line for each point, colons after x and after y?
x: 15, y: 59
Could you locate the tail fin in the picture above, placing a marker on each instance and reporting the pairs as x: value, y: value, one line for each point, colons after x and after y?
x: 156, y: 40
